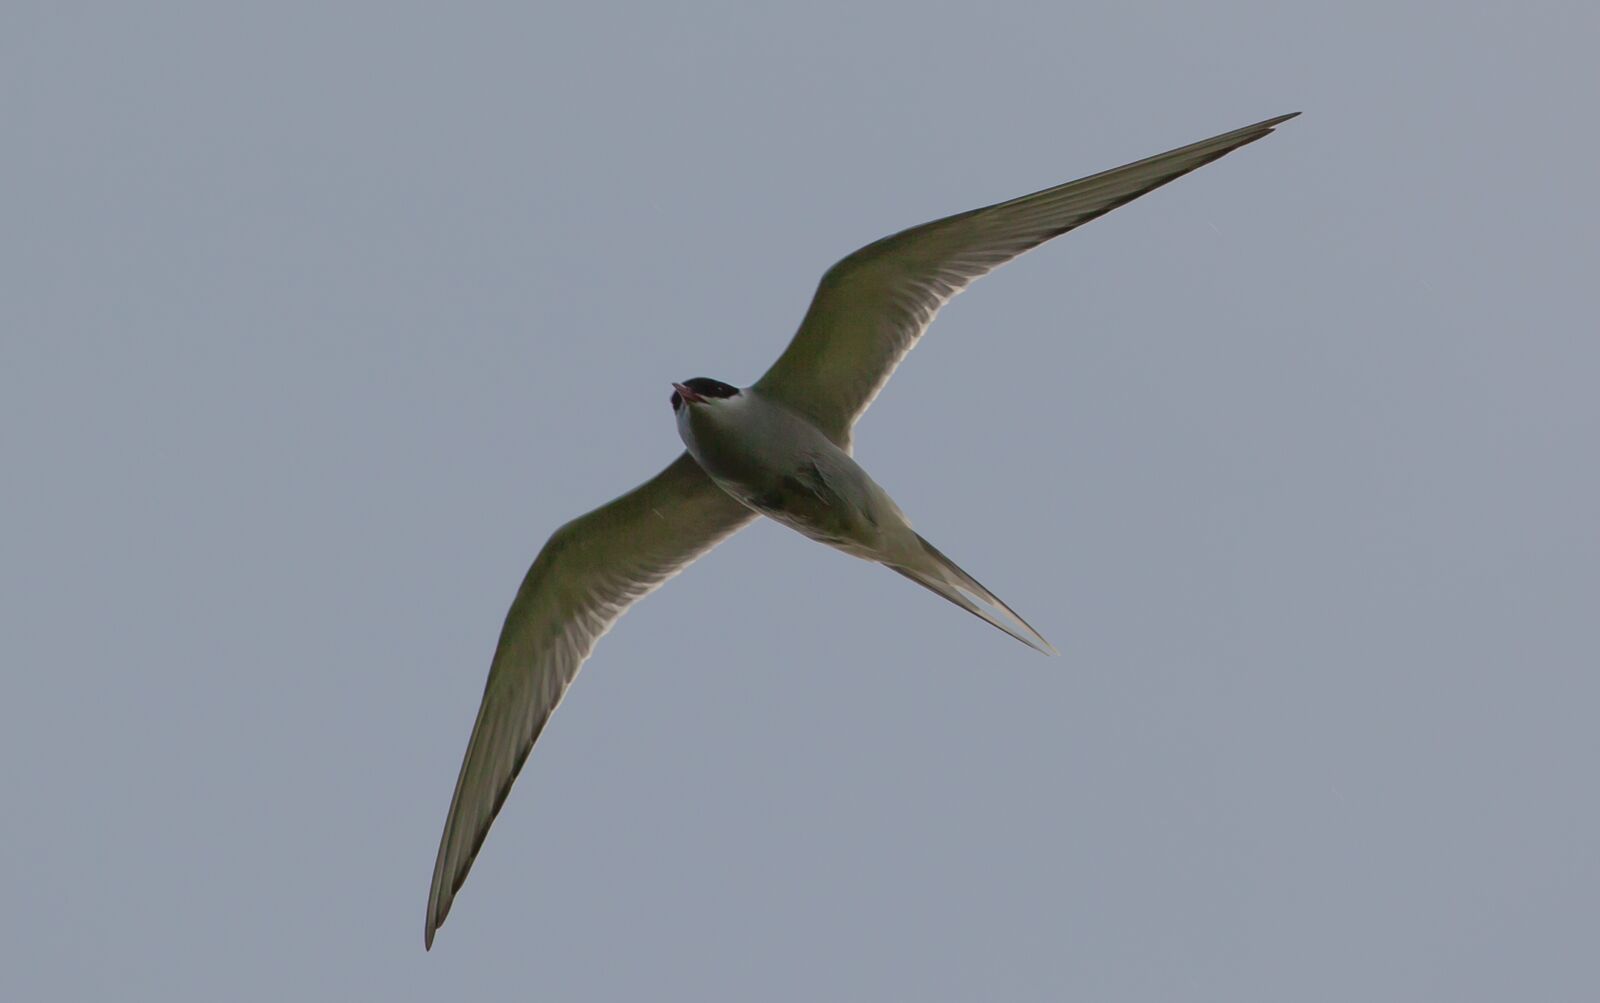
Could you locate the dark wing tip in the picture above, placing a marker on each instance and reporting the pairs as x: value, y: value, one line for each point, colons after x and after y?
x: 1251, y: 133
x: 442, y: 893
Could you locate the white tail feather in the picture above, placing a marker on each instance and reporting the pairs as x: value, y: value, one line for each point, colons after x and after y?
x: 940, y: 575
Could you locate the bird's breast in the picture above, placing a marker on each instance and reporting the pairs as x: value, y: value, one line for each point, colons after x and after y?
x: 776, y: 463
x: 747, y: 441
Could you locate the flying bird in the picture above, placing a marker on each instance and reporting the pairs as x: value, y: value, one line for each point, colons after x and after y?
x: 781, y: 448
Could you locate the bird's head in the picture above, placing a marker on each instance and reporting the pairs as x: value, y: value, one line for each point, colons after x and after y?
x: 700, y: 390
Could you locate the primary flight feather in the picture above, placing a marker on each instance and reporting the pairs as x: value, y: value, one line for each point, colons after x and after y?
x: 779, y: 448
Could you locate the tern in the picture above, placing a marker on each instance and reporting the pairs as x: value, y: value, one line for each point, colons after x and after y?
x: 781, y: 448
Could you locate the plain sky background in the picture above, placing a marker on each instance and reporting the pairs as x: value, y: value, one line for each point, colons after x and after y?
x: 317, y: 319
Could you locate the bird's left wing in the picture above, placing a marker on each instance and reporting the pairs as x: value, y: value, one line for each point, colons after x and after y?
x: 872, y: 306
x: 588, y: 574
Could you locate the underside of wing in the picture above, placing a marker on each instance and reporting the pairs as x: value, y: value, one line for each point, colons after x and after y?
x: 589, y: 572
x: 872, y: 306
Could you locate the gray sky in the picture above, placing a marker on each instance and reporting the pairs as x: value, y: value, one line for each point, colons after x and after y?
x: 304, y: 310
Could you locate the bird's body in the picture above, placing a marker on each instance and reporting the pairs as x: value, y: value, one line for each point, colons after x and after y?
x: 781, y: 448
x: 775, y: 462
x: 780, y: 465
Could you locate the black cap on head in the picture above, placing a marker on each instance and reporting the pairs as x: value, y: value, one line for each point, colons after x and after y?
x: 705, y: 387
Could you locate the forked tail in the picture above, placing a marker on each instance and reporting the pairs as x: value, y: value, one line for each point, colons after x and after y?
x: 940, y: 574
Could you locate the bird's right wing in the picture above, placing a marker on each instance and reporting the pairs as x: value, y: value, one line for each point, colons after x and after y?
x: 588, y: 574
x: 871, y: 307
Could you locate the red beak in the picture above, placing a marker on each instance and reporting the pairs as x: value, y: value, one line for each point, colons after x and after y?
x: 687, y: 394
